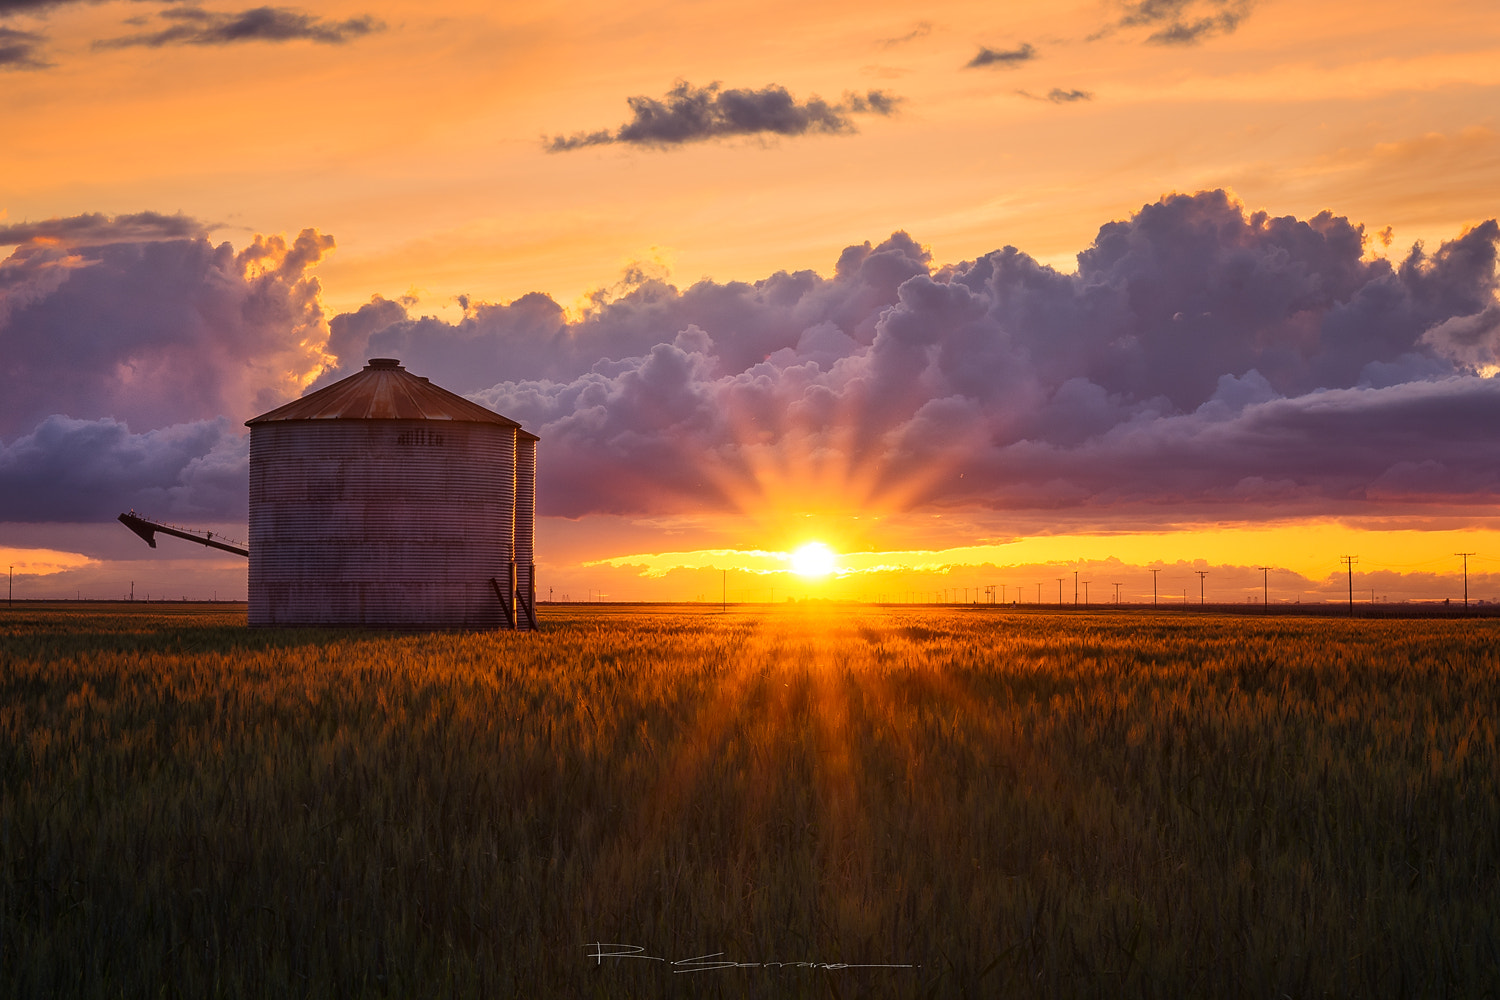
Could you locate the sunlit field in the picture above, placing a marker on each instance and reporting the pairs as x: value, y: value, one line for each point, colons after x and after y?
x: 963, y: 802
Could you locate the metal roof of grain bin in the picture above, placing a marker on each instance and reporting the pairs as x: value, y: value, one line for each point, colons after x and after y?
x: 385, y: 500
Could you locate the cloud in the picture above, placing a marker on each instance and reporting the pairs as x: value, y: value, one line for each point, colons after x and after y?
x: 1007, y: 58
x: 37, y: 7
x: 1181, y: 22
x: 155, y: 332
x: 188, y: 25
x: 694, y: 114
x: 96, y: 229
x: 919, y: 30
x: 1201, y: 357
x: 1470, y: 341
x: 1200, y: 354
x: 21, y: 50
x: 89, y: 470
x: 1059, y: 96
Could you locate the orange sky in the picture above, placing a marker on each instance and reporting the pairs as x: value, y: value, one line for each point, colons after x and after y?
x: 419, y: 148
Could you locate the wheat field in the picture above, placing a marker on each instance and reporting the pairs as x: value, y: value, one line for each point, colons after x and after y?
x: 769, y: 802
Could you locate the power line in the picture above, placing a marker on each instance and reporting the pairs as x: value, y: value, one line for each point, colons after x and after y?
x: 1201, y: 574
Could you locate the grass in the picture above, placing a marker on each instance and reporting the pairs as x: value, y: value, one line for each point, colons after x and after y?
x: 1046, y: 805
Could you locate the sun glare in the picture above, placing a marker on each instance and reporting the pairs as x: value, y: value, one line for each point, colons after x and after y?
x: 813, y: 559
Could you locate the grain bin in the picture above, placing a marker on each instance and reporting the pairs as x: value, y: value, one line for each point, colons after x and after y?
x: 384, y: 500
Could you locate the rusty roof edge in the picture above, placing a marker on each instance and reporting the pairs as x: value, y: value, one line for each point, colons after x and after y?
x: 346, y: 393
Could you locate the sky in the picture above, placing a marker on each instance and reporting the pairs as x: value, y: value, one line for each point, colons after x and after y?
x: 976, y: 294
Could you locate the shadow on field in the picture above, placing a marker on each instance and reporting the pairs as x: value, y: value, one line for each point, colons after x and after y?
x: 60, y: 630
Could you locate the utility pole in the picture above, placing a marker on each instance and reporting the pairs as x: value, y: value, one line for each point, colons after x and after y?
x: 1465, y: 556
x: 1086, y: 592
x: 723, y: 591
x: 1059, y: 591
x: 11, y: 598
x: 1201, y: 574
x: 1117, y: 593
x: 1039, y: 593
x: 1075, y: 588
x: 1349, y: 562
x: 1153, y: 586
x: 1264, y: 573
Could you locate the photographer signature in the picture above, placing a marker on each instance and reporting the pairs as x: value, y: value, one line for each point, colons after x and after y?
x: 600, y: 950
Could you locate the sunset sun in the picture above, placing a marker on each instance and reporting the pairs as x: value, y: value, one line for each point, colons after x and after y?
x: 813, y: 560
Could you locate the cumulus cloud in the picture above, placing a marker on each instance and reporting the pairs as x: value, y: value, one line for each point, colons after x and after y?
x: 95, y: 228
x: 189, y: 25
x: 21, y: 49
x: 1181, y: 22
x: 1471, y: 341
x: 1201, y: 355
x: 694, y: 114
x: 1002, y: 57
x: 130, y: 366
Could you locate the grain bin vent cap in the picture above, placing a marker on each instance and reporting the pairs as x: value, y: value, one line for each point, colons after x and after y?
x: 383, y: 390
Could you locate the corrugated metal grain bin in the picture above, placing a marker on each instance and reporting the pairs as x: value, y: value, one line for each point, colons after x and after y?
x: 384, y: 500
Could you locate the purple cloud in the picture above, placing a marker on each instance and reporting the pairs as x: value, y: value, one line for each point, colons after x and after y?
x: 694, y: 114
x: 1199, y: 355
x: 189, y: 25
x: 1002, y: 57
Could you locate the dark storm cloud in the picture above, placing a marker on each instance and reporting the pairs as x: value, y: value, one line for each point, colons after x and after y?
x: 21, y: 50
x: 95, y: 229
x: 1181, y: 22
x: 1059, y: 96
x: 196, y: 26
x: 694, y: 114
x: 1004, y: 57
